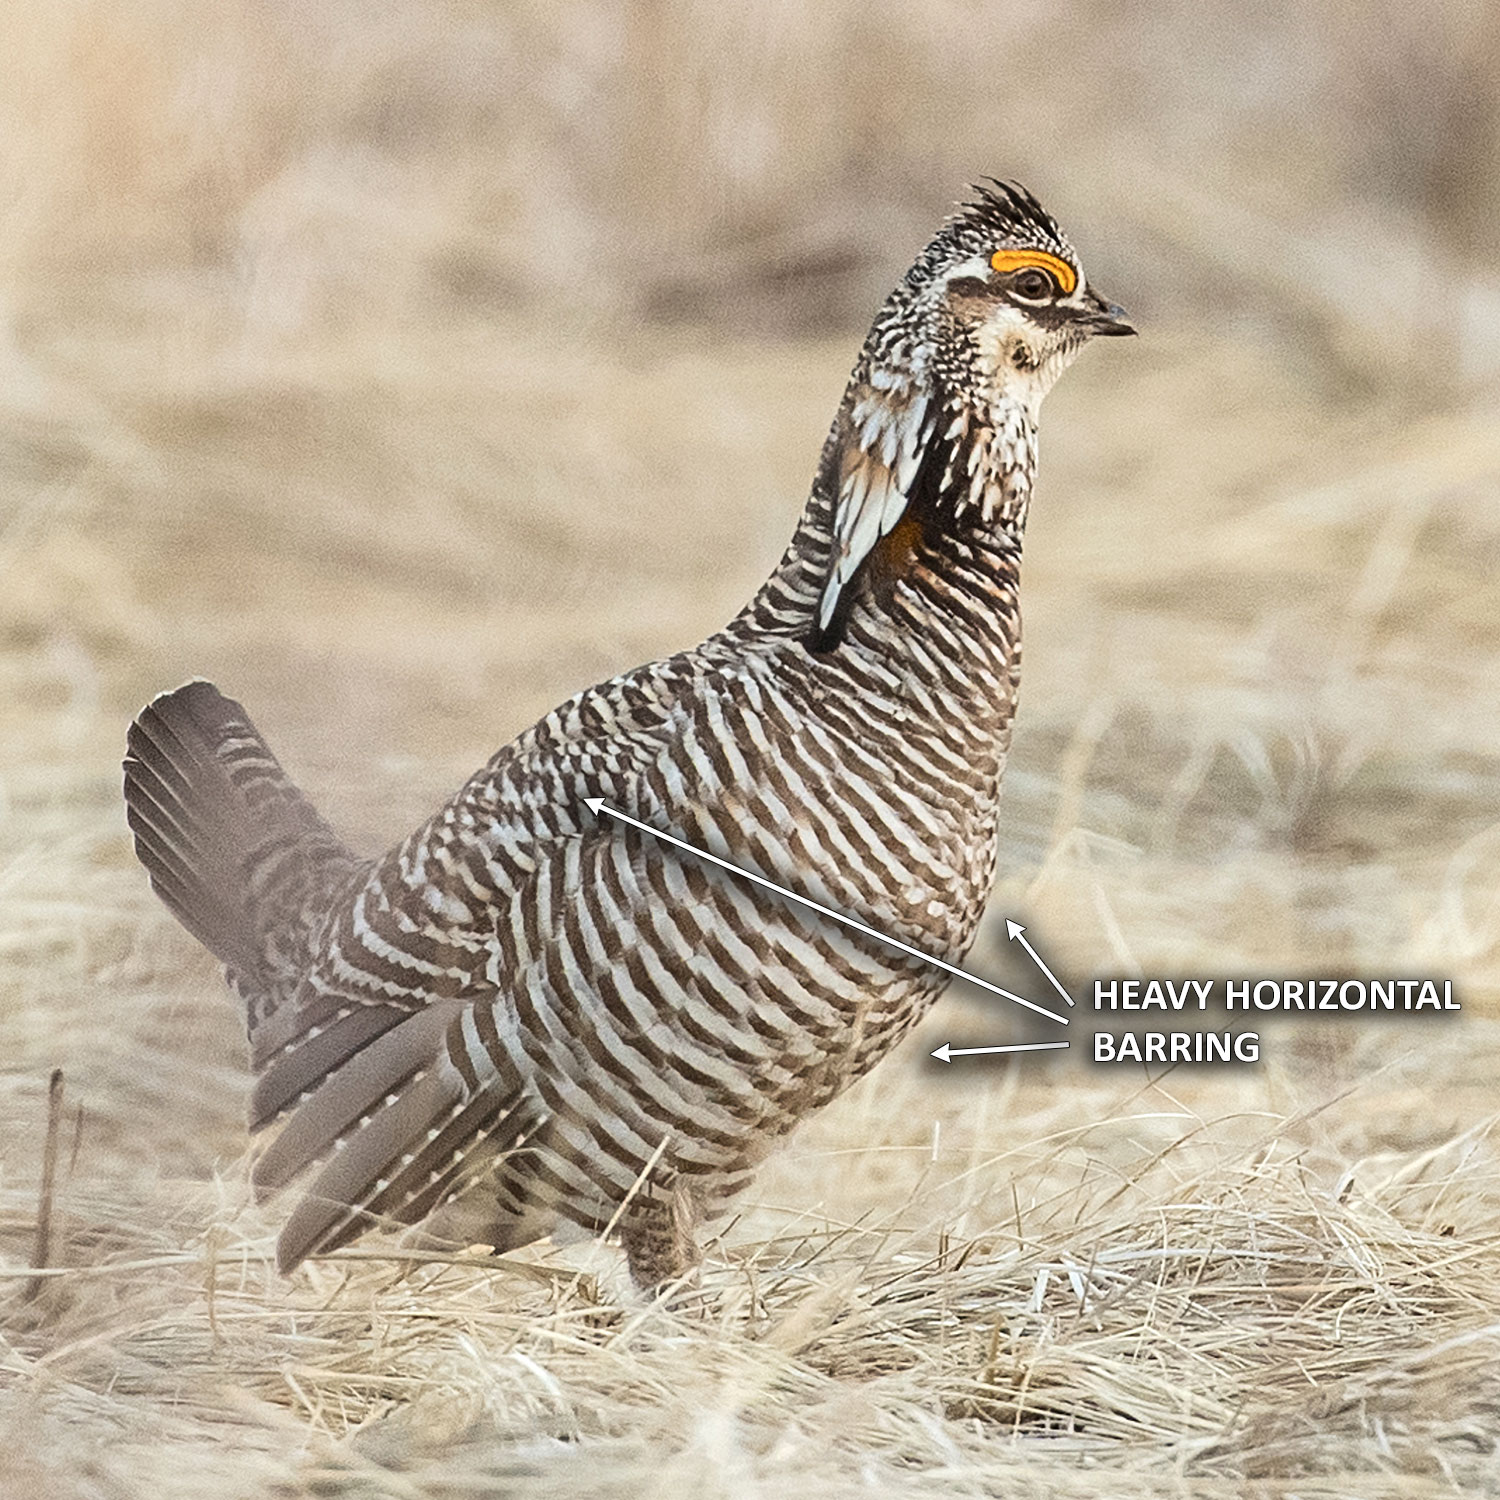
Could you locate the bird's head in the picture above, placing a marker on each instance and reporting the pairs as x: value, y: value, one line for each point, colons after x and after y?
x: 939, y: 419
x: 998, y: 301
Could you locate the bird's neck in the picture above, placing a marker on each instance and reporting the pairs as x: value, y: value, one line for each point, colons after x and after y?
x: 946, y: 575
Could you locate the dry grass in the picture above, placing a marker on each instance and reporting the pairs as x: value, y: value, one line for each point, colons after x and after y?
x: 1150, y: 1302
x: 329, y: 370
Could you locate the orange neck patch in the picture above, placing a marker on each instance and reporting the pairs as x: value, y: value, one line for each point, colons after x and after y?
x: 1017, y: 260
x: 895, y: 554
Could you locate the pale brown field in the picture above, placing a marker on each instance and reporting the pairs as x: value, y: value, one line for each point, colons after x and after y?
x: 403, y: 369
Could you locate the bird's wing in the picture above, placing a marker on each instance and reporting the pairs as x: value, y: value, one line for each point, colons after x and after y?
x: 403, y: 1108
x: 636, y: 1000
x: 432, y: 923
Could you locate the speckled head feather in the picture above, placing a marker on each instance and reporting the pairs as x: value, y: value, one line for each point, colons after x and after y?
x: 999, y: 215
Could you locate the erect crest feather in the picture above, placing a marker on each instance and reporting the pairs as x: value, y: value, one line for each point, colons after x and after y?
x: 1007, y: 211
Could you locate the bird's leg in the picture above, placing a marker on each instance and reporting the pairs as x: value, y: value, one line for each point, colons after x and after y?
x: 658, y: 1231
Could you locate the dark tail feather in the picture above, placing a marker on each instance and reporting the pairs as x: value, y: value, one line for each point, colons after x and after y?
x: 320, y: 1049
x: 382, y: 1068
x: 232, y: 847
x: 405, y: 1134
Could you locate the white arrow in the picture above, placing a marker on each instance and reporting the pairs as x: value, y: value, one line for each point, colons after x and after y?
x: 1017, y: 931
x: 945, y: 1053
x: 598, y: 805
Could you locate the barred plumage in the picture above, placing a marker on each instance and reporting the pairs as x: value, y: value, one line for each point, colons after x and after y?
x: 523, y: 1020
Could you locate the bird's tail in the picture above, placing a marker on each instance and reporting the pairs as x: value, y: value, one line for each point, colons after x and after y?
x: 231, y: 846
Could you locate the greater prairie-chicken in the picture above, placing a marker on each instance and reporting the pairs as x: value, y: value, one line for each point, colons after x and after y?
x: 526, y: 1019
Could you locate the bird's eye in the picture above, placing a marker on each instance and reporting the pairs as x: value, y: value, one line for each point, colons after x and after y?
x: 1034, y: 285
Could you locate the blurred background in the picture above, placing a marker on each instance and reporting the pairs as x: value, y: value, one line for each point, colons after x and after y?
x: 1323, y: 173
x: 405, y: 366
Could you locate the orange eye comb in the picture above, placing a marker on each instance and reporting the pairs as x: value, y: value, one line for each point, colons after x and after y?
x: 1016, y: 260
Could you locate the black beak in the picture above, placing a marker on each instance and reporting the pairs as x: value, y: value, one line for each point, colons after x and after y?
x: 1103, y: 317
